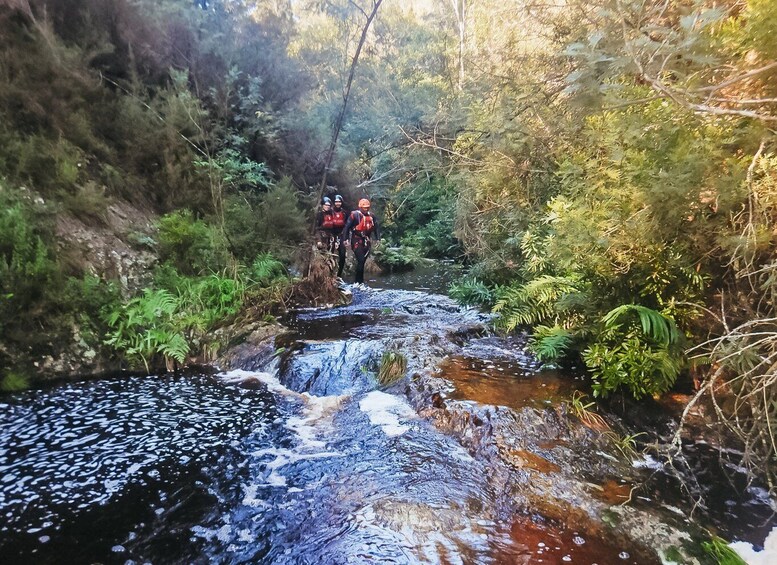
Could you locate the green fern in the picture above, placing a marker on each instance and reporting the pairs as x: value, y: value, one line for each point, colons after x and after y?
x: 163, y: 322
x: 148, y: 325
x: 266, y: 269
x: 471, y: 291
x: 655, y: 325
x: 550, y: 343
x: 533, y: 302
x: 174, y: 346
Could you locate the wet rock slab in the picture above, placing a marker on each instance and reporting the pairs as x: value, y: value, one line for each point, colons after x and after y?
x: 488, y: 393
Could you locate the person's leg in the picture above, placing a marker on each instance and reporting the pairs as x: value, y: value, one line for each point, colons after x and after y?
x: 360, y: 253
x: 341, y: 259
x: 332, y: 244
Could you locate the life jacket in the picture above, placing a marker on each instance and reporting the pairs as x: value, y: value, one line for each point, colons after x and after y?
x: 366, y: 224
x: 338, y: 219
x: 327, y: 222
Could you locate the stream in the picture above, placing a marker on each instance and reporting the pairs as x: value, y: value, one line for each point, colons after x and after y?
x: 298, y: 456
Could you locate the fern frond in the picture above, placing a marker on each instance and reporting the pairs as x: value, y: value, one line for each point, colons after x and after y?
x: 654, y: 324
x: 175, y: 347
x: 532, y: 302
x: 471, y: 291
x: 550, y: 343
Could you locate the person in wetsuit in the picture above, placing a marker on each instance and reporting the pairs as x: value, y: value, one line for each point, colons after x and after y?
x: 339, y: 217
x: 325, y: 227
x: 361, y: 225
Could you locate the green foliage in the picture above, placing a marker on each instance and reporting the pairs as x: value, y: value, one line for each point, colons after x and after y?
x: 637, y: 349
x: 266, y: 269
x: 88, y: 203
x: 269, y: 222
x: 147, y: 326
x: 168, y: 321
x: 473, y: 292
x: 550, y: 343
x: 538, y: 300
x: 421, y: 215
x: 52, y: 167
x: 396, y: 259
x: 27, y: 269
x: 208, y: 300
x: 88, y: 298
x: 164, y: 322
x: 189, y: 244
x: 392, y: 367
x: 655, y: 325
x: 586, y: 413
x: 629, y: 361
x: 719, y: 550
x: 236, y: 171
x: 13, y: 382
x: 626, y: 445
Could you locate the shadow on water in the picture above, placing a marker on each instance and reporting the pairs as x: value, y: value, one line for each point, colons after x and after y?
x: 705, y: 486
x: 303, y: 326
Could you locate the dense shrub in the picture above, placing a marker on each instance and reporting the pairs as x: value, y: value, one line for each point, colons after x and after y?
x: 422, y: 216
x: 169, y: 321
x: 396, y: 259
x: 27, y: 268
x: 191, y: 245
x: 472, y: 291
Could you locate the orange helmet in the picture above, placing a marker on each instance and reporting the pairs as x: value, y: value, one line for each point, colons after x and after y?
x: 364, y: 203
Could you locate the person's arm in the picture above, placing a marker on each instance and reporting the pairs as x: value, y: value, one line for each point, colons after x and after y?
x: 319, y: 219
x: 349, y: 224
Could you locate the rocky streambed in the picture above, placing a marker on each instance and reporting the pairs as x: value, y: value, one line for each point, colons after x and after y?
x: 295, y: 454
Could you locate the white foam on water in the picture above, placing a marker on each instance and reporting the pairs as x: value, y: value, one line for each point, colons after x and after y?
x: 270, y: 381
x: 250, y: 497
x: 204, y: 533
x: 647, y: 462
x: 308, y: 428
x: 387, y: 411
x: 752, y: 557
x: 285, y: 457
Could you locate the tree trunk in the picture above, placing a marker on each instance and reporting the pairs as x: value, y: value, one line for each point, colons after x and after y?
x: 460, y: 10
x: 346, y: 93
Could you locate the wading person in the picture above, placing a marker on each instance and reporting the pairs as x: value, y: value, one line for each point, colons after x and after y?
x: 325, y: 227
x: 339, y: 217
x: 361, y: 225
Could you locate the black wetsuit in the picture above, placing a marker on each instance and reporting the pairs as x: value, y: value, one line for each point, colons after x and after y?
x: 340, y: 248
x: 360, y: 240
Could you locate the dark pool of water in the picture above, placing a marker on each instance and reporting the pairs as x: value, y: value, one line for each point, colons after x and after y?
x: 89, y: 468
x: 428, y: 276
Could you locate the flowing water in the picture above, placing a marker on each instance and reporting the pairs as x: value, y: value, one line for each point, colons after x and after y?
x: 302, y: 460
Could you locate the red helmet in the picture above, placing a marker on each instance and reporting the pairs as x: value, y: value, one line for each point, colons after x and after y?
x: 364, y: 203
